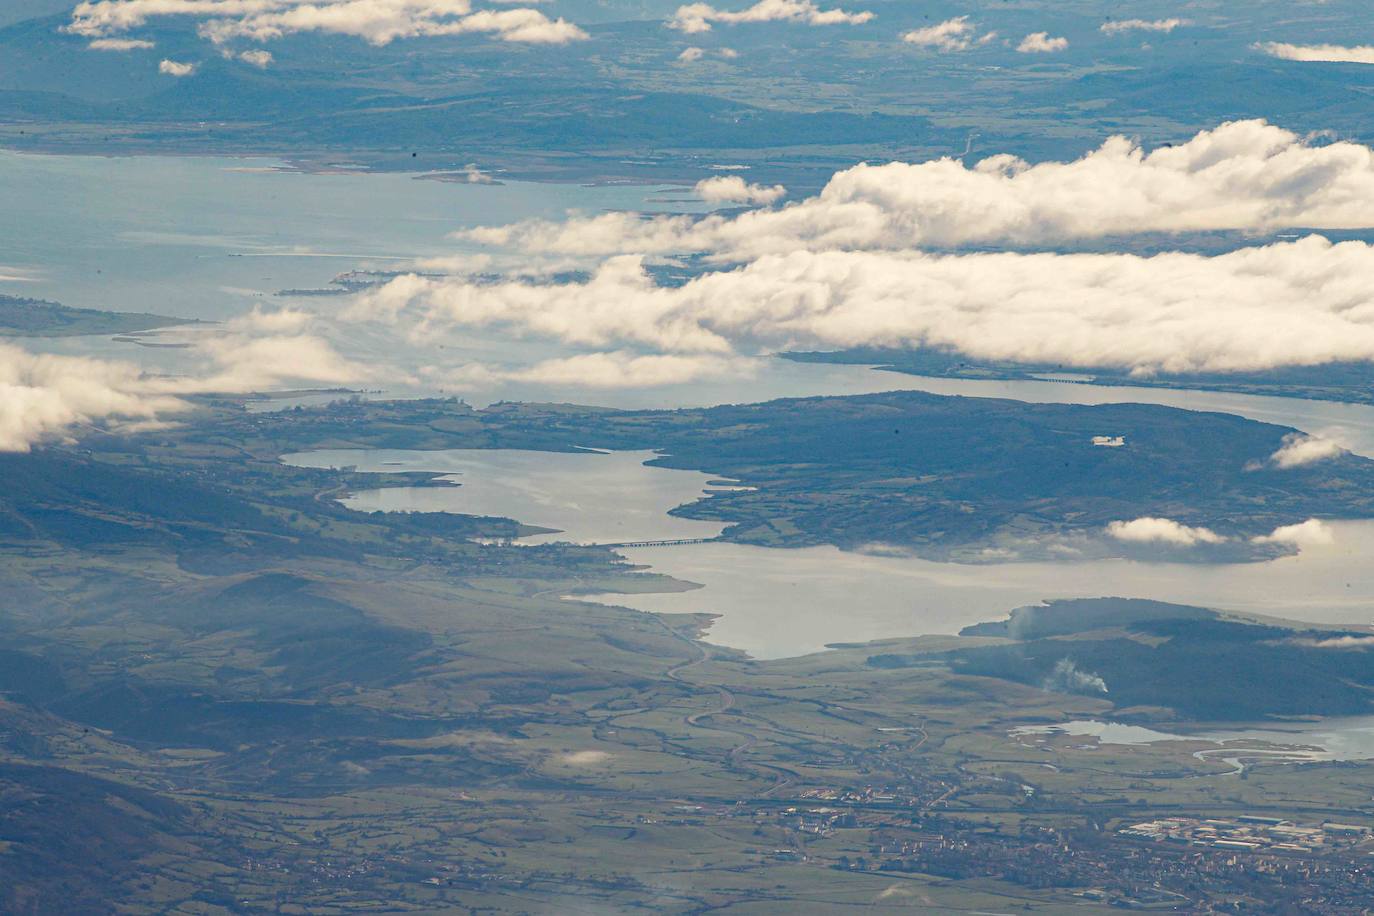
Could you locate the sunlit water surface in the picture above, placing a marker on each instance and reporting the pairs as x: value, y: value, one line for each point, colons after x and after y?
x: 205, y: 237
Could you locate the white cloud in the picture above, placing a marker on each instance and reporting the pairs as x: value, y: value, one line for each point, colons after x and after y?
x: 1333, y: 642
x: 383, y: 22
x: 525, y: 26
x: 456, y: 264
x: 386, y: 303
x: 1293, y: 303
x: 45, y: 397
x: 120, y: 44
x: 1311, y: 533
x: 694, y: 18
x: 1148, y: 530
x: 692, y: 55
x: 734, y: 189
x: 257, y: 57
x: 951, y: 35
x: 1300, y: 449
x: 175, y: 68
x: 281, y: 321
x: 97, y: 18
x: 247, y: 363
x: 377, y: 21
x: 1242, y: 175
x: 845, y: 268
x: 475, y: 175
x: 1341, y: 54
x: 1041, y: 43
x: 1118, y: 26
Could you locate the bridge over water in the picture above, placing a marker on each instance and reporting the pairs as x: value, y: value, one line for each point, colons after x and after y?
x: 672, y: 542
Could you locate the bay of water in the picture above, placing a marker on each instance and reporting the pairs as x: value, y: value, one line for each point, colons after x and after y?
x: 586, y: 497
x: 203, y: 237
x: 777, y: 603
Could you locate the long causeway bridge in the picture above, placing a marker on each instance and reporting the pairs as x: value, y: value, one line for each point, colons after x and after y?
x: 666, y: 543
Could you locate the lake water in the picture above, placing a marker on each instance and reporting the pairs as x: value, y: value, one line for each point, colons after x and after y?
x: 212, y: 238
x: 203, y: 237
x: 587, y: 497
x: 777, y: 603
x: 1338, y: 738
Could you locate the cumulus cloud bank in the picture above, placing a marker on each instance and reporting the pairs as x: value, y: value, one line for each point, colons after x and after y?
x: 1311, y: 533
x: 1041, y: 43
x: 175, y: 68
x: 851, y: 267
x: 692, y: 55
x: 257, y: 57
x: 119, y: 44
x: 1150, y: 530
x: 1293, y: 303
x: 951, y: 35
x: 1118, y: 26
x: 1333, y: 642
x: 1243, y: 175
x: 694, y: 18
x: 734, y: 189
x: 377, y: 21
x: 1338, y: 54
x: 44, y: 397
x: 251, y: 363
x: 1300, y: 449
